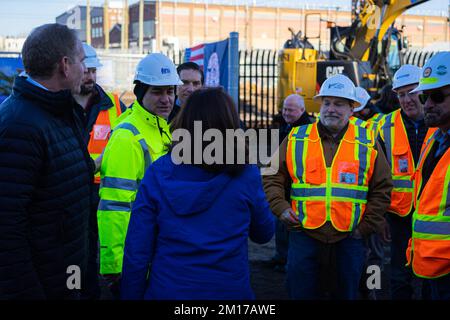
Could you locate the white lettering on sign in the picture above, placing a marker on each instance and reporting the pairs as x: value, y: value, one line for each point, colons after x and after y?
x: 74, y: 20
x: 332, y: 71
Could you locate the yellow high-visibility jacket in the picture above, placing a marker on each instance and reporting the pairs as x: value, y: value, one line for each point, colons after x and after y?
x: 138, y: 140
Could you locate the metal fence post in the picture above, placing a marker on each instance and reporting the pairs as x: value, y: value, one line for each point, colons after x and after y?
x: 233, y: 66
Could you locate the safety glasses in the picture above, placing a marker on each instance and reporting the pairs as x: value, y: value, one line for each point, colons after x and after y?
x: 436, y: 97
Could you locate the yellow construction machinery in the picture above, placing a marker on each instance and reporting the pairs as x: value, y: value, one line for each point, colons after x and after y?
x: 368, y: 51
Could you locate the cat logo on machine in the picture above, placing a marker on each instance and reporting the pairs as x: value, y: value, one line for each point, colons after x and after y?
x: 333, y: 70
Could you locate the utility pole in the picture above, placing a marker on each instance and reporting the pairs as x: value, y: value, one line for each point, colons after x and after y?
x: 124, y: 35
x: 88, y: 22
x: 141, y: 26
x: 106, y: 23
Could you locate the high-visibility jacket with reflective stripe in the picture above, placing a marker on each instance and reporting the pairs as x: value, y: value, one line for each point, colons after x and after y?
x: 429, y: 249
x: 99, y: 136
x: 337, y: 193
x: 135, y: 143
x: 401, y: 161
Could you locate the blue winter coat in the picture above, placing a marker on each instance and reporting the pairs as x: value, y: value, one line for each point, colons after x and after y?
x: 192, y: 226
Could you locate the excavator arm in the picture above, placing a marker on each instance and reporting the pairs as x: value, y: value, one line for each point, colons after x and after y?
x: 373, y: 22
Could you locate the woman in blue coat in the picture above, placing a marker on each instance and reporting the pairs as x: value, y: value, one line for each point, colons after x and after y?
x: 188, y: 231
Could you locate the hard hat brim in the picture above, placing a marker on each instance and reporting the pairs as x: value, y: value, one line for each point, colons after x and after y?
x: 92, y: 63
x: 318, y: 99
x: 428, y: 86
x: 359, y: 108
x: 159, y: 83
x: 403, y: 85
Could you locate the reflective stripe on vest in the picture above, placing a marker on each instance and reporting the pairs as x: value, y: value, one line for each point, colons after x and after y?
x: 339, y: 193
x: 375, y: 122
x: 135, y: 132
x: 401, y: 162
x: 371, y: 124
x: 101, y: 130
x: 429, y: 248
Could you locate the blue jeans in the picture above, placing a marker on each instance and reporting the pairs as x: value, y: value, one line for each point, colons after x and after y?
x: 375, y: 256
x: 281, y: 242
x: 315, y: 268
x: 439, y: 288
x: 401, y: 278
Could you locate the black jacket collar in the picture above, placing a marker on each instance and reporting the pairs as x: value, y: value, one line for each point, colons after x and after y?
x: 57, y: 103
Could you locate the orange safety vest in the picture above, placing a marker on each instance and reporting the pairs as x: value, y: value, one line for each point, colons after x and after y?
x: 337, y: 194
x: 401, y: 162
x: 99, y: 135
x: 429, y: 248
x: 371, y: 124
x: 374, y: 122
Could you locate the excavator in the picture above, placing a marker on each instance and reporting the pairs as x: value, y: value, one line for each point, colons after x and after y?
x: 368, y: 51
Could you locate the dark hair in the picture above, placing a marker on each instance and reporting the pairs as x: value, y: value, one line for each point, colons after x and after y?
x: 46, y: 46
x: 216, y: 110
x: 140, y: 90
x: 191, y: 66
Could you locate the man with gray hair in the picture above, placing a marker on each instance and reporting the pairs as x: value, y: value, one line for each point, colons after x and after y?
x: 294, y: 115
x: 45, y: 172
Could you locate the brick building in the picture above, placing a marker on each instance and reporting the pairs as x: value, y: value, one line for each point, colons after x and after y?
x: 182, y: 24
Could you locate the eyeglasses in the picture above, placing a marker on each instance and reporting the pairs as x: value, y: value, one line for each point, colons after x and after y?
x: 436, y: 97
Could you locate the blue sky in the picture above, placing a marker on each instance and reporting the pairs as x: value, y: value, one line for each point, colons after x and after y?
x: 20, y: 16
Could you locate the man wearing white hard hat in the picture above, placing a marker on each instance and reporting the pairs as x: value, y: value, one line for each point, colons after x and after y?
x: 141, y: 138
x: 365, y: 114
x: 428, y: 252
x: 340, y: 188
x: 99, y: 113
x: 401, y: 135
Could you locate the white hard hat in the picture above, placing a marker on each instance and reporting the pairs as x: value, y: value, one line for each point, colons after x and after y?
x: 405, y: 76
x: 362, y: 96
x: 436, y: 72
x: 91, y: 60
x: 337, y: 86
x: 157, y: 70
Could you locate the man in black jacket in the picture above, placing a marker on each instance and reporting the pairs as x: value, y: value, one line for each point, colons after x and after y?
x: 192, y: 77
x: 294, y: 114
x: 45, y: 172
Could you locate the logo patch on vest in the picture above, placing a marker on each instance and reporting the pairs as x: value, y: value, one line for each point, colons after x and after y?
x: 347, y: 177
x: 403, y: 164
x: 101, y: 131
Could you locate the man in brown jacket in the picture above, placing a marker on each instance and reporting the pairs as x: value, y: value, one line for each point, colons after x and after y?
x: 340, y: 190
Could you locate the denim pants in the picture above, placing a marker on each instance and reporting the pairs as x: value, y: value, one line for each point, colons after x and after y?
x: 375, y: 256
x: 402, y: 281
x: 281, y: 242
x: 439, y: 288
x: 318, y: 270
